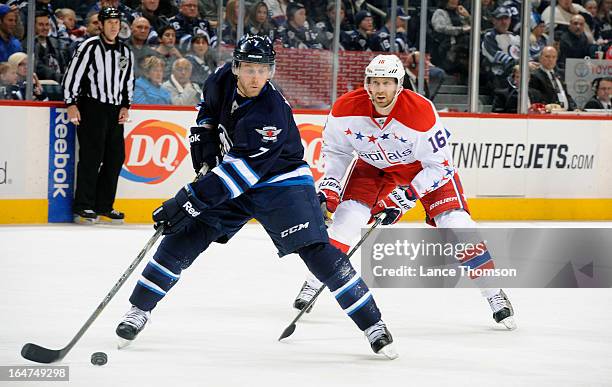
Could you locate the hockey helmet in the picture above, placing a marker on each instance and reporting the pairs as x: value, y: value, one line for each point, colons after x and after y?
x: 385, y: 66
x: 254, y: 49
x: 109, y: 13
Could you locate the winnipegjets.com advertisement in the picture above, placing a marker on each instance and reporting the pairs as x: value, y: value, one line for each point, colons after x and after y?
x: 488, y: 258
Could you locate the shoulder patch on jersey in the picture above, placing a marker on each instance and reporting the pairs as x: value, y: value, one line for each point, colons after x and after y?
x: 269, y: 133
x: 414, y: 111
x: 354, y: 103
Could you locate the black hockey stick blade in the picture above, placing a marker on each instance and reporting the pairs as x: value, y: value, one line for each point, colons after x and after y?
x: 287, y: 332
x: 291, y: 327
x: 40, y: 354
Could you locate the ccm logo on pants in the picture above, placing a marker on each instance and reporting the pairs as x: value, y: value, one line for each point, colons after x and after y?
x: 295, y: 228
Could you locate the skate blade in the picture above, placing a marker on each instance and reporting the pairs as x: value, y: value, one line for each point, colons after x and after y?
x: 105, y: 220
x: 389, y: 351
x: 509, y: 323
x: 85, y: 221
x: 122, y: 343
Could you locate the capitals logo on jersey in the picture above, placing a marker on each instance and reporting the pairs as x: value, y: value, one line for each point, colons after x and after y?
x: 269, y: 133
x: 153, y: 151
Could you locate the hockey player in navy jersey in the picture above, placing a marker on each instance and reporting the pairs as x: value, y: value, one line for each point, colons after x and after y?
x: 261, y: 175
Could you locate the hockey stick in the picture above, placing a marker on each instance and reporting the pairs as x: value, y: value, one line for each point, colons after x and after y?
x: 291, y: 327
x: 40, y: 354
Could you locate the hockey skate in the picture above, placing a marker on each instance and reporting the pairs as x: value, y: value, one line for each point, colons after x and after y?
x: 85, y: 217
x: 133, y: 322
x: 112, y: 217
x: 381, y: 340
x: 307, y: 292
x: 502, y: 309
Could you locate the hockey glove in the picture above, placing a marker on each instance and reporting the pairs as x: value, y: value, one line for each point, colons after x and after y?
x: 205, y: 147
x: 329, y: 196
x: 399, y: 201
x: 177, y: 213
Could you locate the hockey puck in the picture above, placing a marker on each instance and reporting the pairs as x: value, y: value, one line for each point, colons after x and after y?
x: 99, y: 358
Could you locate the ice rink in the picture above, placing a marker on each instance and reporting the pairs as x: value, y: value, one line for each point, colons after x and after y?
x: 219, y: 326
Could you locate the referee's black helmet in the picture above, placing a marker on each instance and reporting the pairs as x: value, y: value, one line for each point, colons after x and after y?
x: 109, y: 13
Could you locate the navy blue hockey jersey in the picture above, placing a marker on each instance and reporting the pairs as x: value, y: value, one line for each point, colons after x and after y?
x: 261, y: 140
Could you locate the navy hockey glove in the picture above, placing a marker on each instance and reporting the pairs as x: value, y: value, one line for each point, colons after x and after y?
x: 205, y: 147
x: 399, y: 201
x: 177, y: 213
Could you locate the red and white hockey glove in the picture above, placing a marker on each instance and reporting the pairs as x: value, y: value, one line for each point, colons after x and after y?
x: 399, y: 201
x: 329, y: 195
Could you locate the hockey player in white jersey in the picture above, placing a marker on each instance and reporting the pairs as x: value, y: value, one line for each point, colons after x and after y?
x: 402, y: 156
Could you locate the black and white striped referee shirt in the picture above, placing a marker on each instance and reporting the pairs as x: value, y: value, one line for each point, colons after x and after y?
x: 102, y: 71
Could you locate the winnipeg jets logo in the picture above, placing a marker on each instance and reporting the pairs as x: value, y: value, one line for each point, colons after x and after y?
x: 269, y: 133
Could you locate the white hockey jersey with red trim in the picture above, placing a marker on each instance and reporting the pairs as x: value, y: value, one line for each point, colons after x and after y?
x: 412, y: 133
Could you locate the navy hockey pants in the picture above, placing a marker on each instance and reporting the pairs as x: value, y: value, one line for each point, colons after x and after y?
x: 292, y: 218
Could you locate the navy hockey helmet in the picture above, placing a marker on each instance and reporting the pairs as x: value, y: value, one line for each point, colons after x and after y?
x: 109, y: 13
x: 254, y: 49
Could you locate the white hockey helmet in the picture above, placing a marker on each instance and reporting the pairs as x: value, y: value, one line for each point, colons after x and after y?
x: 385, y: 66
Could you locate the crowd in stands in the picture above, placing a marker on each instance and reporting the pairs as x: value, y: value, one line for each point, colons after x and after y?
x: 174, y: 41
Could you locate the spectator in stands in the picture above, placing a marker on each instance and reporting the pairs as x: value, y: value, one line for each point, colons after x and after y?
x: 50, y: 53
x: 148, y: 88
x: 230, y: 24
x: 93, y: 28
x: 67, y: 28
x: 602, y: 88
x: 514, y: 6
x: 591, y: 7
x: 8, y: 82
x: 258, y: 21
x: 328, y: 24
x: 500, y: 49
x: 138, y: 43
x: 208, y: 11
x: 167, y: 48
x: 296, y: 32
x: 182, y: 90
x: 412, y: 75
x: 40, y: 6
x: 381, y: 38
x: 505, y: 100
x: 8, y: 42
x: 187, y: 24
x: 486, y: 13
x: 574, y: 42
x: 603, y: 20
x: 126, y: 15
x: 451, y: 26
x: 20, y: 61
x: 278, y: 11
x: 150, y: 10
x: 202, y: 60
x: 547, y: 83
x: 538, y: 39
x: 360, y: 38
x: 563, y: 13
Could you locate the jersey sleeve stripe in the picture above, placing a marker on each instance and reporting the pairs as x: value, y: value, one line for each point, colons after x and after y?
x: 227, y: 180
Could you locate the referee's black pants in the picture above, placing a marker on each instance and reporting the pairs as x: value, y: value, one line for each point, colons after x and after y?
x: 101, y: 155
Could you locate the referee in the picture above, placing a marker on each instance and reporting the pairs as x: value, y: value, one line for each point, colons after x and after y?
x: 98, y: 88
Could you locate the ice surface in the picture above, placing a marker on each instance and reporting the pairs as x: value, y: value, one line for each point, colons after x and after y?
x: 219, y: 325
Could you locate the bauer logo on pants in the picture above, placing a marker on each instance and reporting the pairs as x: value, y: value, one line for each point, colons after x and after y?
x: 153, y: 151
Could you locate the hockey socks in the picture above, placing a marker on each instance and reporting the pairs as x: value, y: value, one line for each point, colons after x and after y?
x: 333, y: 268
x: 156, y: 280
